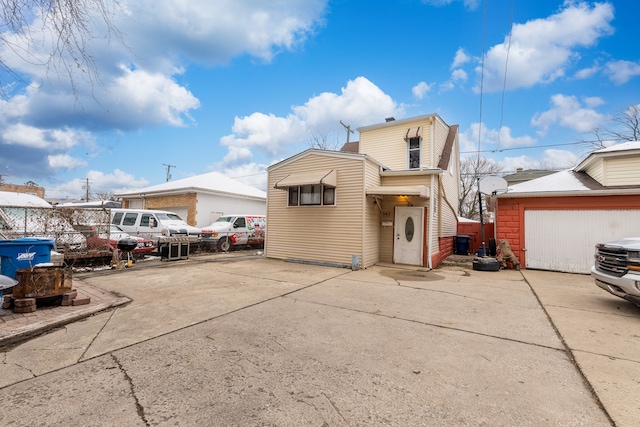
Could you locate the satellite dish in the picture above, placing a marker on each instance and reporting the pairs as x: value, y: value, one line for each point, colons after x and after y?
x: 492, y: 185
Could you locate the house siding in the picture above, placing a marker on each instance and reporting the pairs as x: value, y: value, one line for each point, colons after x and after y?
x: 372, y: 222
x: 331, y: 234
x: 623, y: 171
x: 388, y: 146
x: 597, y: 172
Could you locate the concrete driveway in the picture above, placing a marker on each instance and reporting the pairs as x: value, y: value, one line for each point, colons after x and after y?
x: 249, y: 341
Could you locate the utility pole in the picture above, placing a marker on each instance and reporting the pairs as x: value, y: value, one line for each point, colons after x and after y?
x: 169, y: 170
x: 348, y: 128
x: 87, y: 190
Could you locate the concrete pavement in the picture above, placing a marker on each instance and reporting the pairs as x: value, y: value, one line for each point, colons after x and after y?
x: 249, y: 341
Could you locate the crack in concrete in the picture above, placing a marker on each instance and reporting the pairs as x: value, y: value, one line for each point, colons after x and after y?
x: 139, y: 408
x: 570, y: 355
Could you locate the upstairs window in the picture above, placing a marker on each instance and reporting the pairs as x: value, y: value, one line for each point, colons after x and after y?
x: 311, y: 195
x: 415, y: 150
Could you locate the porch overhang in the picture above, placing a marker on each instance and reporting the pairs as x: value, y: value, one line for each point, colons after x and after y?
x: 402, y: 190
x: 325, y: 177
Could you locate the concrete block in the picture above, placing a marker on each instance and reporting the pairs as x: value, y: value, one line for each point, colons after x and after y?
x: 81, y: 301
x: 24, y: 302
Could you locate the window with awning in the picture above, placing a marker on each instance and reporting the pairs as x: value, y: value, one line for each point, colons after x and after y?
x: 316, y: 188
x: 327, y: 178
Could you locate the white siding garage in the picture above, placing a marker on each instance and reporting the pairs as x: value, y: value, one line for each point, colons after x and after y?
x: 564, y: 240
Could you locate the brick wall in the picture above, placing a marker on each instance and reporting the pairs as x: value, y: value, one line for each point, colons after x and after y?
x: 26, y: 189
x: 446, y: 249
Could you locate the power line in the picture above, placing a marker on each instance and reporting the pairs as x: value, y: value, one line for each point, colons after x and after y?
x: 534, y: 146
x: 504, y: 82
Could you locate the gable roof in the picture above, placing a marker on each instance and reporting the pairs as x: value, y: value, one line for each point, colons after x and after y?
x: 212, y: 182
x: 327, y: 153
x: 630, y: 148
x: 565, y: 183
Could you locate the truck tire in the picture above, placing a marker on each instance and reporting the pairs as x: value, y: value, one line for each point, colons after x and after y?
x: 224, y: 244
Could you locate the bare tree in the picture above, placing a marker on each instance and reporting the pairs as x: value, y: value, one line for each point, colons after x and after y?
x: 625, y: 126
x: 322, y: 139
x: 105, y: 195
x: 470, y: 170
x: 69, y: 27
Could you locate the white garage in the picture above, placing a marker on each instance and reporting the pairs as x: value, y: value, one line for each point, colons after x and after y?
x: 564, y: 240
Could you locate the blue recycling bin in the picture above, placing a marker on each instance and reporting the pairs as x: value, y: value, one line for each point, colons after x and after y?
x: 22, y: 253
x: 462, y: 244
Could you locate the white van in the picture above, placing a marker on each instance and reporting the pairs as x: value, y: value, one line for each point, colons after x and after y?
x: 152, y: 224
x: 235, y: 230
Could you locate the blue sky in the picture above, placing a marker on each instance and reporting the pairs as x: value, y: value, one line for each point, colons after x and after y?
x: 236, y: 85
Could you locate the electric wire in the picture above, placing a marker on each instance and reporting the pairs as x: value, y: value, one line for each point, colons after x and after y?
x: 506, y: 65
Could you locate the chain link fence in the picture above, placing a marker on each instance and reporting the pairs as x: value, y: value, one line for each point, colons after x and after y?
x: 77, y: 232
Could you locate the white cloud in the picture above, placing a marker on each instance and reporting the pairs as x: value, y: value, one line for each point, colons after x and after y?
x: 542, y: 49
x: 492, y: 139
x: 459, y: 75
x: 468, y: 4
x: 621, y: 72
x: 64, y: 161
x: 138, y: 82
x: 548, y: 160
x: 569, y: 112
x: 421, y: 90
x: 99, y: 182
x: 360, y: 102
x: 253, y: 174
x: 460, y: 59
x: 586, y: 73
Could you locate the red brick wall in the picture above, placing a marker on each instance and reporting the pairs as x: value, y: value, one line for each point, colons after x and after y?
x: 446, y: 249
x: 510, y: 213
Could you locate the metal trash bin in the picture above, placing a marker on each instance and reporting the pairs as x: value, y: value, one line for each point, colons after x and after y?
x: 18, y: 254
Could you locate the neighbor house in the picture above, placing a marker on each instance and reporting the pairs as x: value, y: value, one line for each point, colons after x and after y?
x: 200, y: 199
x: 554, y: 222
x: 390, y: 198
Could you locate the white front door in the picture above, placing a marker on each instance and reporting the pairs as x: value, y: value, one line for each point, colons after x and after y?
x: 407, y: 247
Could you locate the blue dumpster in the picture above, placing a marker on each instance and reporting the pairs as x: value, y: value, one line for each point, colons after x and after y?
x: 24, y: 253
x: 462, y: 244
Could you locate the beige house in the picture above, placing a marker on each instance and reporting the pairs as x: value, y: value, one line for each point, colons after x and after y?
x: 392, y: 198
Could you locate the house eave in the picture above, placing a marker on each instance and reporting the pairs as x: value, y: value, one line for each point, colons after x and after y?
x: 573, y: 193
x: 416, y: 172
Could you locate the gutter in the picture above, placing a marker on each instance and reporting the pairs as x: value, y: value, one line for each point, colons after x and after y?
x: 578, y: 193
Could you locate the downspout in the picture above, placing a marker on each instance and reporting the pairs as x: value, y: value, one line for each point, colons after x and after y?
x: 432, y: 187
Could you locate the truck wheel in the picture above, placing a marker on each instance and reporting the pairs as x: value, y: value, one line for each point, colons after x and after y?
x: 224, y: 244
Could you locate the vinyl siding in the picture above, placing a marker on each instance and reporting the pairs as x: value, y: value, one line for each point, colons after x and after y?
x: 329, y: 234
x: 372, y: 218
x: 596, y: 172
x: 388, y: 146
x: 623, y: 171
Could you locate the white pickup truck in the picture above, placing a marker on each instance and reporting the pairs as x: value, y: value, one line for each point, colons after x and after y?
x: 235, y: 230
x: 617, y: 268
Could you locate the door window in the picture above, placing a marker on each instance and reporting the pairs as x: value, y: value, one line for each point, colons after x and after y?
x: 409, y: 229
x: 117, y: 218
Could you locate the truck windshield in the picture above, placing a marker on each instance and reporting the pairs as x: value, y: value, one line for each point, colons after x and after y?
x: 225, y: 219
x: 172, y: 217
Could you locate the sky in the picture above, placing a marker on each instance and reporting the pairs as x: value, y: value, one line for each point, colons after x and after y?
x: 236, y: 85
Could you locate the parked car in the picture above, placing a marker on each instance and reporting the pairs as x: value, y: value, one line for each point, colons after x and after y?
x: 617, y: 268
x: 235, y: 230
x: 152, y: 224
x: 99, y: 238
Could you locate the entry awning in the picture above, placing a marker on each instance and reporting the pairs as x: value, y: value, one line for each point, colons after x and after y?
x: 326, y: 177
x: 415, y: 132
x: 403, y: 190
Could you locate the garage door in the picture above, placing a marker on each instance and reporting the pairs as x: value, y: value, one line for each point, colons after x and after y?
x: 564, y: 240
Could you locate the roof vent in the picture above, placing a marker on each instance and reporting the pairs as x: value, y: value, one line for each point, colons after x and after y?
x: 389, y: 119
